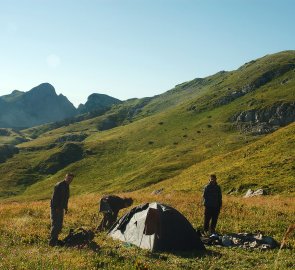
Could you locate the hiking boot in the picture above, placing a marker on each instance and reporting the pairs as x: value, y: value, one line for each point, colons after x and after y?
x: 205, y: 233
x: 60, y: 243
x: 52, y: 243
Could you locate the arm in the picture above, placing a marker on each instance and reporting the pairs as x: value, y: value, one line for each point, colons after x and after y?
x: 220, y: 197
x: 56, y: 197
x: 66, y: 198
x: 205, y: 195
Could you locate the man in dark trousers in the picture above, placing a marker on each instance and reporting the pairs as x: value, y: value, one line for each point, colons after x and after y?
x: 110, y: 206
x: 212, y: 199
x: 59, y: 206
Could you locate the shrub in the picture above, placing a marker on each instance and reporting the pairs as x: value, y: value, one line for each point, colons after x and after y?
x: 7, y: 151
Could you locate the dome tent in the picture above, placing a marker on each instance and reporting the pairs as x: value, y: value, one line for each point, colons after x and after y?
x: 157, y: 227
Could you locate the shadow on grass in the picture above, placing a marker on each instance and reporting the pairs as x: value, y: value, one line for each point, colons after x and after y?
x: 185, y: 254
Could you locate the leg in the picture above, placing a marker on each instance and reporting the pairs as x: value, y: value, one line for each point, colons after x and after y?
x: 215, y: 215
x: 207, y: 217
x: 112, y: 219
x: 103, y: 222
x: 56, y: 225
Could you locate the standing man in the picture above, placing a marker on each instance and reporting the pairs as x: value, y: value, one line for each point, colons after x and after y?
x: 110, y: 206
x: 212, y: 199
x: 59, y: 206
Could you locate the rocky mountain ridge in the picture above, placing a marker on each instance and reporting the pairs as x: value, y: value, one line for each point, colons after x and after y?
x: 42, y: 105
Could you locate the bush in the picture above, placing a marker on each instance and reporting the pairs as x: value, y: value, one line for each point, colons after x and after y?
x: 72, y: 138
x: 4, y: 132
x: 7, y: 151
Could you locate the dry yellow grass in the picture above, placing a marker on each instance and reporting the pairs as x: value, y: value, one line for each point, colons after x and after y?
x: 24, y: 230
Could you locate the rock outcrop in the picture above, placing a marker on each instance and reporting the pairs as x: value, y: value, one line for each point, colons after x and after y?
x: 98, y: 102
x: 265, y: 120
x: 252, y: 193
x: 255, y: 84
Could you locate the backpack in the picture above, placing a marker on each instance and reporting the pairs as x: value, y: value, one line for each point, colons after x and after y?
x: 78, y: 237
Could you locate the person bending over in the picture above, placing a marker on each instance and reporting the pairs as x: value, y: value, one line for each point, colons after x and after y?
x: 110, y: 206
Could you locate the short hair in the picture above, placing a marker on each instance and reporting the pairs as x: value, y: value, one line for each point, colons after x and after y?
x: 70, y: 174
x: 128, y: 201
x: 213, y: 176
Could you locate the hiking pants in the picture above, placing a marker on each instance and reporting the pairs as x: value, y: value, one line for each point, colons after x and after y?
x: 211, y: 213
x: 57, y: 217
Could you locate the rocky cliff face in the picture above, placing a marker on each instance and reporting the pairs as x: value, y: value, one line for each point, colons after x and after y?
x: 265, y: 120
x: 98, y: 102
x: 38, y: 106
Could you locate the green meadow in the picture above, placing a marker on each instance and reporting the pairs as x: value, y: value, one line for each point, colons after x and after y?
x: 172, y: 141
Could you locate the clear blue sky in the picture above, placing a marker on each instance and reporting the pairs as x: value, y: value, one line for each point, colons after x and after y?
x: 134, y: 48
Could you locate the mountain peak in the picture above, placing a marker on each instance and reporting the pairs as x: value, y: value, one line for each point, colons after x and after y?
x: 16, y: 92
x: 38, y: 106
x: 45, y: 88
x: 98, y: 102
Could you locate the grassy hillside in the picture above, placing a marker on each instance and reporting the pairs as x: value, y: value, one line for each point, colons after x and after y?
x: 11, y: 136
x: 171, y: 141
x: 267, y: 163
x: 187, y: 130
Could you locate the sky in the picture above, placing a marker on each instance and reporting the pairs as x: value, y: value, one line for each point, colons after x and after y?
x: 134, y: 48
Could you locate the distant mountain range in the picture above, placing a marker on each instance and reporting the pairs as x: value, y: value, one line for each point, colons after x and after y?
x: 239, y: 125
x: 42, y: 105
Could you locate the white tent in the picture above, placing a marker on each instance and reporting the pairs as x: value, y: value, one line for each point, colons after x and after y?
x: 156, y: 227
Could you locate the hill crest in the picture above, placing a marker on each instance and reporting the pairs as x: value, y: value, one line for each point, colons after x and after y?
x: 141, y: 142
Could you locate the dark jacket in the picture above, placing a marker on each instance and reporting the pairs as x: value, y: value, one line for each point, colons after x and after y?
x: 60, y: 196
x: 111, y: 203
x: 212, y: 196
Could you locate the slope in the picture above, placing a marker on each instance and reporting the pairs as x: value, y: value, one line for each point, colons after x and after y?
x: 168, y: 135
x: 267, y: 163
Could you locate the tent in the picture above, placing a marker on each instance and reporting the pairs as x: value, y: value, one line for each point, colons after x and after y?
x: 157, y: 227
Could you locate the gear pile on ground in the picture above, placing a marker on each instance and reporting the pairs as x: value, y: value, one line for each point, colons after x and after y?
x: 243, y: 240
x: 80, y: 238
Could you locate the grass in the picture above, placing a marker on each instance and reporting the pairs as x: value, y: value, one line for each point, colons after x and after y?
x: 171, y: 141
x: 267, y: 163
x: 11, y: 136
x: 25, y: 230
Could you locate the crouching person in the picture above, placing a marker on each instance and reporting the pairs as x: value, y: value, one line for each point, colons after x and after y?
x: 110, y: 206
x: 59, y: 206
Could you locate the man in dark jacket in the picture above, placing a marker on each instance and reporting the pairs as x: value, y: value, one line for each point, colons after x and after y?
x: 59, y: 205
x: 110, y: 206
x: 212, y: 198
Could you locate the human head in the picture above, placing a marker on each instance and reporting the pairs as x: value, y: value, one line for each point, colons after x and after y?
x: 128, y: 202
x: 69, y: 178
x: 213, y: 178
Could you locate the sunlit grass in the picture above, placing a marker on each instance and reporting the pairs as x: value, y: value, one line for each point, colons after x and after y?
x: 166, y: 145
x: 24, y: 231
